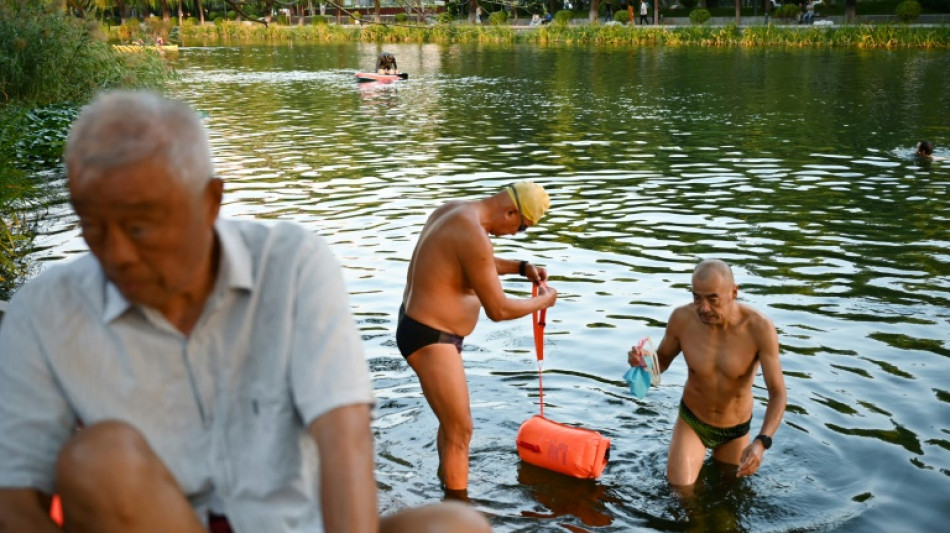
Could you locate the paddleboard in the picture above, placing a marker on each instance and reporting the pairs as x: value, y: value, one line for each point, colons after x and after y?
x: 382, y: 78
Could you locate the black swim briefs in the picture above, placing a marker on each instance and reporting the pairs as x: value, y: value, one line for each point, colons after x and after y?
x: 411, y: 335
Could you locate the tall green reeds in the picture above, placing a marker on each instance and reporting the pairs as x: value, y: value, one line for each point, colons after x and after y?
x: 876, y: 36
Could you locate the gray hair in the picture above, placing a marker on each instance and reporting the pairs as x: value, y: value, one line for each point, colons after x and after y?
x: 710, y: 267
x: 121, y: 128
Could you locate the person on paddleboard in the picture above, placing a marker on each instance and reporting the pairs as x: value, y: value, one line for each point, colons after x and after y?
x: 724, y: 343
x: 453, y: 275
x: 386, y: 64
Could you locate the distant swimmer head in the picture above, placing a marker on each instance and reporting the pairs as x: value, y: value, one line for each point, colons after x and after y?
x: 532, y: 200
x: 924, y: 148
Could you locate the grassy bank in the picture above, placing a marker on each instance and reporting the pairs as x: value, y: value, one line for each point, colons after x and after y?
x: 861, y: 36
x: 51, y: 63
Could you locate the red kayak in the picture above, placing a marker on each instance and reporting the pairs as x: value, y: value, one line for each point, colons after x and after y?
x: 381, y: 78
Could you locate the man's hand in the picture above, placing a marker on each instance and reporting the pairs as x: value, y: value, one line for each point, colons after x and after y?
x: 548, y: 294
x: 535, y: 273
x: 635, y: 357
x: 751, y: 459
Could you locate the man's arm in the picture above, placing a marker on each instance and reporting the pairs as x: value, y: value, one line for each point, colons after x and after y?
x: 532, y: 272
x: 479, y: 265
x: 670, y: 347
x: 774, y: 380
x: 667, y: 351
x: 25, y: 510
x: 347, y: 486
x: 767, y: 341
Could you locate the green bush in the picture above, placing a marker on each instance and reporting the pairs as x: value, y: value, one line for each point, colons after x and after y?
x: 908, y: 11
x: 563, y: 17
x: 320, y: 20
x: 401, y: 17
x: 355, y: 17
x: 699, y: 16
x: 622, y: 16
x: 498, y: 18
x: 787, y: 13
x: 445, y: 17
x: 50, y: 57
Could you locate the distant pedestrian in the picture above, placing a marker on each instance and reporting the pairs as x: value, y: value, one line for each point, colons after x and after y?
x: 644, y: 11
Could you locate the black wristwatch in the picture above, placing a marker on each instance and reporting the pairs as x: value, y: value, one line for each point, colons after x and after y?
x: 766, y: 441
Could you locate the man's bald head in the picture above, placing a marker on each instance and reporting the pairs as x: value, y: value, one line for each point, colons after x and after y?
x: 710, y: 268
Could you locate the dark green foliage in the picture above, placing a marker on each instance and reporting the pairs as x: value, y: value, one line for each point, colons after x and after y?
x: 401, y: 17
x: 699, y: 16
x: 563, y: 17
x: 49, y: 57
x: 498, y: 18
x: 787, y: 12
x: 908, y: 11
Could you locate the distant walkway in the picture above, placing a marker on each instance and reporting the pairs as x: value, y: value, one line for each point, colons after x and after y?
x: 3, y: 309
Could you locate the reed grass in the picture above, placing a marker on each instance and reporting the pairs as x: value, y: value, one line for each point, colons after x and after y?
x: 861, y: 36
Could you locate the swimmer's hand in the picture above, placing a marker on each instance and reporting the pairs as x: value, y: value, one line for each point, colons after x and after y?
x: 751, y: 459
x: 549, y: 295
x: 636, y: 357
x: 535, y: 273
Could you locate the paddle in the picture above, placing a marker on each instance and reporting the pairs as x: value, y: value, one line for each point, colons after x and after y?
x: 403, y: 75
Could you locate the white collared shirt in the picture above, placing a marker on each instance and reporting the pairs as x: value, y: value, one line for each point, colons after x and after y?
x: 226, y: 408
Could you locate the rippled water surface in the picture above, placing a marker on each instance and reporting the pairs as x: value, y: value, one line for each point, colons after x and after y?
x: 791, y: 165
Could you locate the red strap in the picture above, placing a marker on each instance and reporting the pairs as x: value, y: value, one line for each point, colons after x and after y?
x: 538, y: 323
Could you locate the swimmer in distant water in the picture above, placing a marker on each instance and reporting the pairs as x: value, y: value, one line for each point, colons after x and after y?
x: 723, y: 342
x: 924, y: 149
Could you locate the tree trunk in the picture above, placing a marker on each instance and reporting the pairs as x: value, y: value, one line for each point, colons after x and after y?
x: 376, y: 10
x: 850, y: 10
x: 201, y: 12
x: 594, y: 8
x: 738, y: 11
x: 472, y: 4
x: 656, y: 12
x: 166, y: 13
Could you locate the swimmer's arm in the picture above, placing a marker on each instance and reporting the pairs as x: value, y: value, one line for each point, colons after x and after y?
x: 772, y: 374
x: 479, y: 265
x: 767, y: 340
x: 347, y: 486
x: 532, y: 272
x: 670, y: 347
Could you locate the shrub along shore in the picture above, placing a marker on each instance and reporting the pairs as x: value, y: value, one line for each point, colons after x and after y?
x: 858, y: 36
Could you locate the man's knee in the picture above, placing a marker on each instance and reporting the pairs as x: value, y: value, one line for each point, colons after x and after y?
x: 459, y: 431
x: 100, y: 450
x: 451, y: 517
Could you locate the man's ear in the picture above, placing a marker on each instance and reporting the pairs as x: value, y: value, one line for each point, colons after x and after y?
x: 214, y: 194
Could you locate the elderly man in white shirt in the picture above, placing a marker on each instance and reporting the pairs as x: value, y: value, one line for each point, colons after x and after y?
x: 213, y: 366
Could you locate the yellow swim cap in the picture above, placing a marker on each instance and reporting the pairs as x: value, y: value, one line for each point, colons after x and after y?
x: 531, y: 197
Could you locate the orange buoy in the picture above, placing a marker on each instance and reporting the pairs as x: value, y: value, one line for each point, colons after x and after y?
x: 577, y: 452
x: 56, y: 511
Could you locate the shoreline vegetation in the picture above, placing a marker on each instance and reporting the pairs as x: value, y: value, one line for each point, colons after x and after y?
x: 51, y: 63
x: 858, y: 36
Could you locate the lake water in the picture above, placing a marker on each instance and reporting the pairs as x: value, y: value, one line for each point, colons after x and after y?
x: 792, y: 165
